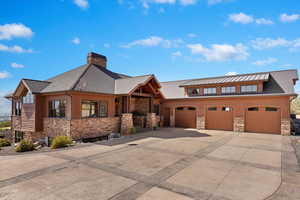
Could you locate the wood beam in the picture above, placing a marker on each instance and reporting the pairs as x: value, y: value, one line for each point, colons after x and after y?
x: 142, y: 94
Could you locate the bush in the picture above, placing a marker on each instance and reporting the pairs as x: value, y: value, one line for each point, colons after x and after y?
x: 25, y: 145
x: 60, y: 142
x: 133, y: 130
x: 4, y: 142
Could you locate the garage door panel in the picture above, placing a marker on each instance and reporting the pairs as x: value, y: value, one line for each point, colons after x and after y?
x: 219, y: 119
x: 185, y: 118
x: 263, y: 120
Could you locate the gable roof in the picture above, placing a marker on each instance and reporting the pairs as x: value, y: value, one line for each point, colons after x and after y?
x: 35, y: 86
x: 279, y: 83
x: 126, y: 85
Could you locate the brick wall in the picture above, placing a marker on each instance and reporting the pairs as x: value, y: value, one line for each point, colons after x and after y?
x: 238, y: 124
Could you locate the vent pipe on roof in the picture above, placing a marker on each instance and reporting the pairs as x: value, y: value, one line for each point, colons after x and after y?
x: 96, y: 59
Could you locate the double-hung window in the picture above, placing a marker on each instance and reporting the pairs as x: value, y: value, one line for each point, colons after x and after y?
x: 57, y: 108
x: 93, y: 109
x: 17, y: 107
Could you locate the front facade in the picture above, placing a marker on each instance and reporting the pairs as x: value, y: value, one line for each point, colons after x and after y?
x: 92, y: 101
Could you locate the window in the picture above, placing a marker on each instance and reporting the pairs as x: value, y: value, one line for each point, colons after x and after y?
x: 57, y: 108
x: 191, y: 108
x: 94, y: 109
x: 226, y: 109
x: 249, y: 88
x: 253, y: 109
x: 17, y: 107
x: 103, y: 111
x: 157, y: 109
x: 29, y: 98
x: 89, y: 109
x: 210, y: 91
x: 19, y: 136
x: 228, y: 90
x: 180, y: 108
x: 212, y: 108
x: 193, y: 91
x: 271, y: 109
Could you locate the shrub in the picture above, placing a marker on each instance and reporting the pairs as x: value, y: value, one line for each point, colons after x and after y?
x: 4, y: 142
x: 60, y: 142
x: 25, y: 145
x: 133, y: 130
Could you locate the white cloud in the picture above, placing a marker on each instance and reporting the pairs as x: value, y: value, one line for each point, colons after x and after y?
x: 177, y: 54
x: 213, y: 2
x: 188, y: 2
x: 267, y: 61
x: 4, y: 74
x: 16, y: 65
x: 264, y: 21
x: 220, y: 52
x: 268, y: 43
x: 231, y: 73
x: 82, y: 3
x: 289, y: 18
x: 14, y: 49
x: 76, y: 40
x: 153, y: 41
x: 10, y: 31
x: 241, y: 18
x: 192, y: 35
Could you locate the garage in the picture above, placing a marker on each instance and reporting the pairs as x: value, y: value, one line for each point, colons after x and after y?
x: 263, y: 120
x: 219, y: 118
x: 185, y: 117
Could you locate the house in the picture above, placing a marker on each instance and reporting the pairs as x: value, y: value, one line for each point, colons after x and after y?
x: 92, y: 101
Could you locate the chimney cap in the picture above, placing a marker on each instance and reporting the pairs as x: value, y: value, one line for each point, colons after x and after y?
x: 96, y: 55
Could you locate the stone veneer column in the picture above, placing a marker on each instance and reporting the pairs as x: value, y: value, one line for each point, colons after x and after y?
x: 200, y: 122
x: 151, y: 120
x: 126, y: 123
x: 239, y: 124
x: 285, y: 127
x: 172, y: 117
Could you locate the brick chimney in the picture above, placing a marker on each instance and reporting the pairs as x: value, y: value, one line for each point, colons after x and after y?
x: 96, y: 59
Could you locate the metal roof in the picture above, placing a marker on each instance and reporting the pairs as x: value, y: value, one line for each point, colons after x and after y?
x: 229, y: 79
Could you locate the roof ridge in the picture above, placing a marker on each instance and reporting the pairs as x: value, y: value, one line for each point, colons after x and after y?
x: 82, y: 74
x: 137, y: 76
x: 35, y: 80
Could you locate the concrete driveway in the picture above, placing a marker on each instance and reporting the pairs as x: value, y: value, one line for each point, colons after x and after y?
x: 173, y: 164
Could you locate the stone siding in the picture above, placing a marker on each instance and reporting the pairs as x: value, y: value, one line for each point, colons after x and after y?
x: 16, y: 122
x: 56, y: 126
x: 140, y: 105
x: 285, y: 127
x: 151, y: 120
x: 33, y: 136
x: 238, y: 124
x: 94, y: 127
x: 200, y: 122
x: 126, y: 123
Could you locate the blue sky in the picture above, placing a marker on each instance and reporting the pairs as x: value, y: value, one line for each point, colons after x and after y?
x: 173, y: 39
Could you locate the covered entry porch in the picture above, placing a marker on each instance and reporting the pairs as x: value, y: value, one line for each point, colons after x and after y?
x: 142, y: 105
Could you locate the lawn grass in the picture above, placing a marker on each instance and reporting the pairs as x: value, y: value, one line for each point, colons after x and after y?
x: 4, y: 128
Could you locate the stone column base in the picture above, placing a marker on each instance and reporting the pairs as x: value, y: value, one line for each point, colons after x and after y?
x: 151, y: 120
x: 200, y: 123
x: 285, y: 127
x: 126, y: 124
x: 239, y: 124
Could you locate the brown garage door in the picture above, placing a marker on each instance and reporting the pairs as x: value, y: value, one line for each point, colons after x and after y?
x: 219, y: 118
x: 263, y: 120
x: 166, y: 114
x: 185, y: 117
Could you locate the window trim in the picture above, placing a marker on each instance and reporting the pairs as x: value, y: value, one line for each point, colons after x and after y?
x: 98, y: 113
